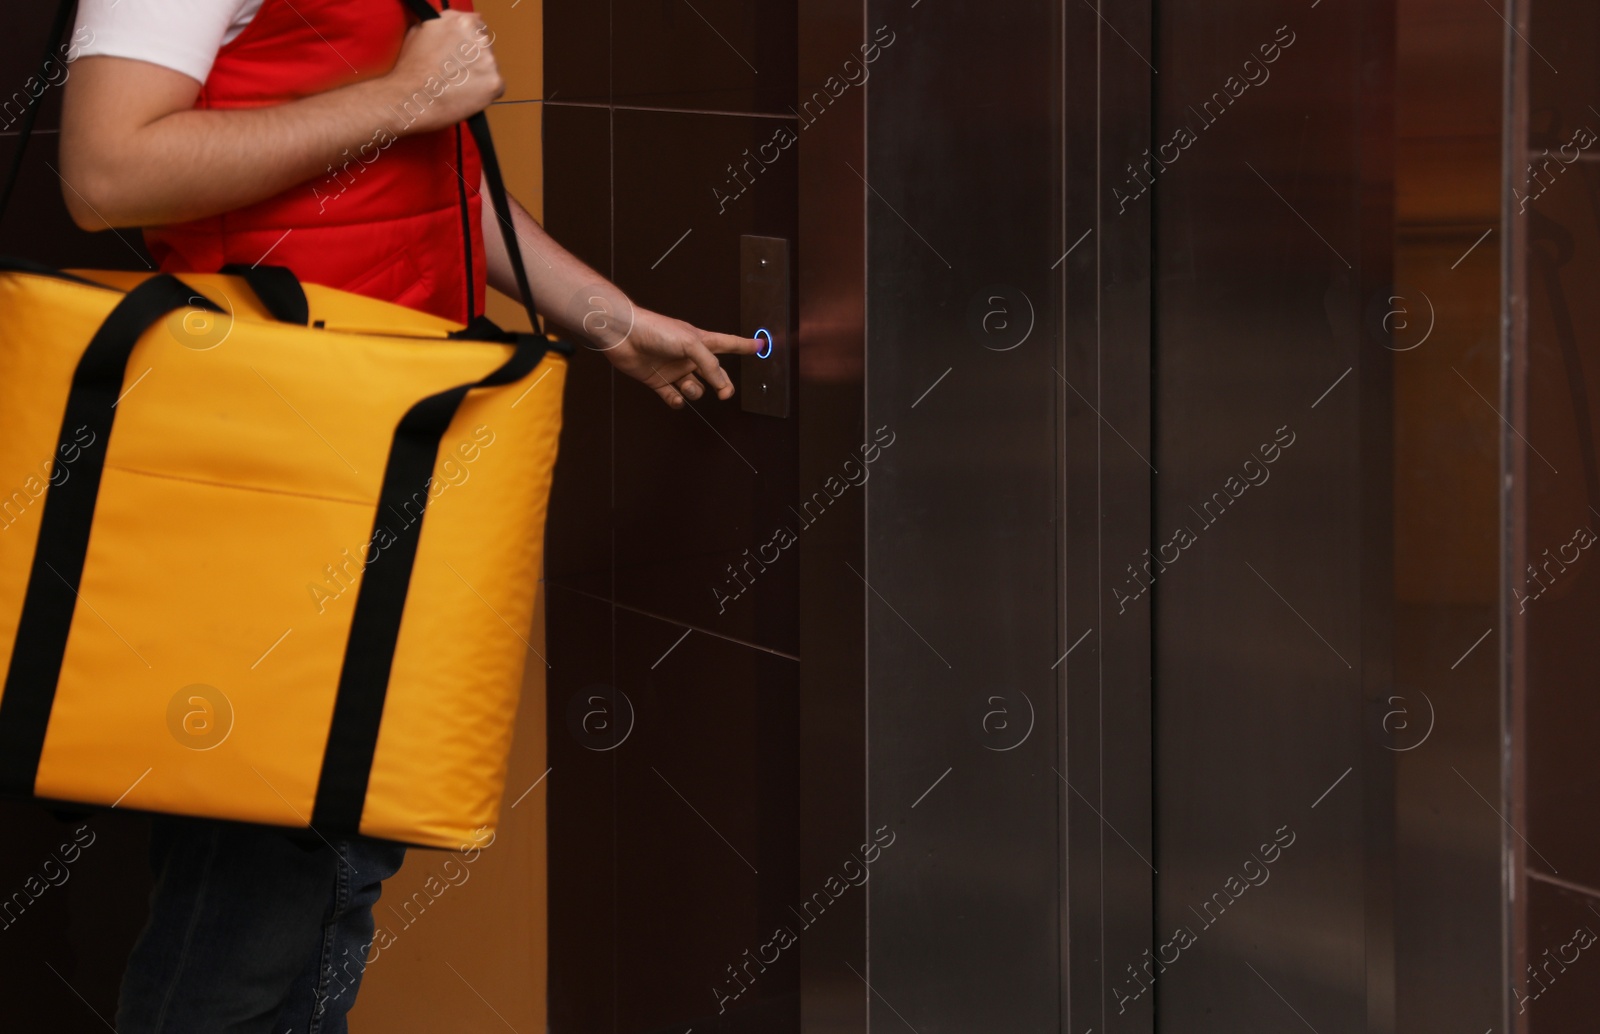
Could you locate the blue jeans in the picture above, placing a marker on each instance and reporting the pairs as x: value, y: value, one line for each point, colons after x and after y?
x: 251, y: 931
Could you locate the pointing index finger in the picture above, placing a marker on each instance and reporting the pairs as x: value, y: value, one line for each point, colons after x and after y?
x: 730, y: 344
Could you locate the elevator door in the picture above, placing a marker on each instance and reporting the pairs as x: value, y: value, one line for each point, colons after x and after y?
x: 1268, y: 576
x: 1324, y: 575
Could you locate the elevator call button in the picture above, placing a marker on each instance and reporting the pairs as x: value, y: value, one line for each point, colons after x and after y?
x: 764, y: 314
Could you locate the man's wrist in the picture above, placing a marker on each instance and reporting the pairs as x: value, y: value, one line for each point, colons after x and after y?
x: 604, y: 314
x: 384, y: 101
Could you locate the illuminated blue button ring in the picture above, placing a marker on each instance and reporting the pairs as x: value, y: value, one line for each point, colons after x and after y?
x: 762, y: 353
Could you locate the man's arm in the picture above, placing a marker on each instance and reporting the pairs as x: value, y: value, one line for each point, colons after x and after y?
x: 662, y: 352
x: 134, y: 152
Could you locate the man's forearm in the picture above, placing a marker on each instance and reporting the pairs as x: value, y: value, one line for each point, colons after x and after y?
x: 564, y: 289
x: 197, y: 163
x: 135, y: 152
x: 675, y: 359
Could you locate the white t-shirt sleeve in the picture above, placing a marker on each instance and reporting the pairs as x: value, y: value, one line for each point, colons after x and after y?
x: 183, y: 35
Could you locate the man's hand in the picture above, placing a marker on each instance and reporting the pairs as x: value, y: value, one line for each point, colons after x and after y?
x: 667, y: 353
x: 664, y: 353
x: 446, y: 71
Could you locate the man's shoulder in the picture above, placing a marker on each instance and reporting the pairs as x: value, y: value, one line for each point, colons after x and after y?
x: 183, y: 35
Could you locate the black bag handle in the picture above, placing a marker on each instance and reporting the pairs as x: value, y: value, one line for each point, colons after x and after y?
x: 278, y: 289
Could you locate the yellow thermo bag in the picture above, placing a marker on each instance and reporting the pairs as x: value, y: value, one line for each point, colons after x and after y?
x: 275, y: 572
x: 268, y: 552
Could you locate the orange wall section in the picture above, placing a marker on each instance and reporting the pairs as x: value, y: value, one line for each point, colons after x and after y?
x: 467, y: 946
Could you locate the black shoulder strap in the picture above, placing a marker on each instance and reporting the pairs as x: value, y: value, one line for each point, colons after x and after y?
x: 479, y: 124
x: 30, y: 114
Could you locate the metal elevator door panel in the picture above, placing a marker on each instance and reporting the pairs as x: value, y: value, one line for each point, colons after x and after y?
x: 1268, y: 577
x: 1552, y: 587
